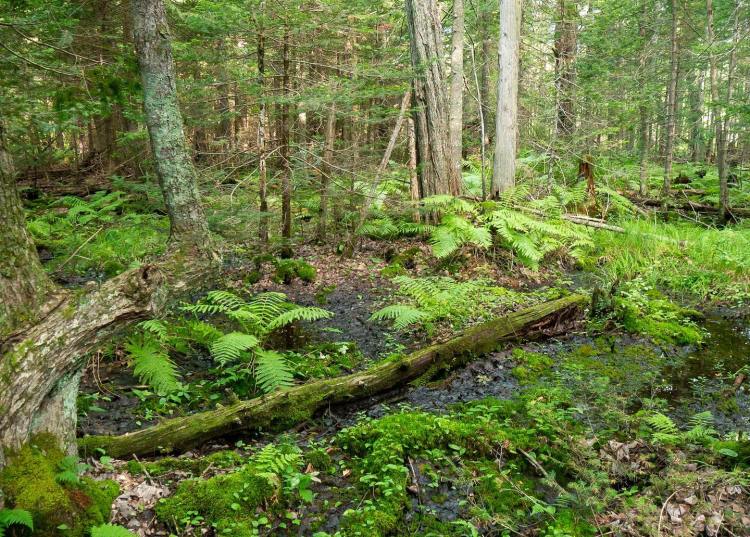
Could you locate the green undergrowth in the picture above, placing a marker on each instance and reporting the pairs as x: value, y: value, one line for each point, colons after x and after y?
x: 41, y: 480
x: 193, y: 465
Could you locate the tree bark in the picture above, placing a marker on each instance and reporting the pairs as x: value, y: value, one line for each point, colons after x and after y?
x: 456, y: 110
x: 329, y: 139
x: 671, y: 102
x: 177, y: 176
x: 286, y: 173
x: 435, y: 167
x: 285, y: 408
x: 506, y: 120
x: 262, y: 133
x: 642, y: 104
x: 566, y: 43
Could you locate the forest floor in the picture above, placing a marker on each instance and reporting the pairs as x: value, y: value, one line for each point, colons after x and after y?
x: 632, y: 420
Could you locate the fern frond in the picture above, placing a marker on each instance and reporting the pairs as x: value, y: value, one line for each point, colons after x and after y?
x: 278, y: 460
x: 309, y: 313
x: 229, y: 347
x: 19, y: 517
x: 156, y: 327
x: 272, y: 372
x: 152, y: 365
x: 400, y: 314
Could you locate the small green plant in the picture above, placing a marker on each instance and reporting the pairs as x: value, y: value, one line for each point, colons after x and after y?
x: 15, y: 518
x: 288, y: 269
x: 110, y: 530
x: 663, y: 429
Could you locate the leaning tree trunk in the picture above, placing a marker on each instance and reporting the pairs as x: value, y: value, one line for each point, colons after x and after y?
x: 506, y: 120
x: 41, y: 360
x: 177, y: 175
x: 435, y: 166
x: 456, y: 110
x: 671, y: 103
x: 285, y: 408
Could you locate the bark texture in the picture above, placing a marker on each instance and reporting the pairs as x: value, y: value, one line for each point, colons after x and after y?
x: 456, y: 111
x: 174, y: 166
x: 435, y: 166
x: 671, y: 102
x: 506, y: 120
x: 262, y: 133
x: 285, y: 408
x: 566, y: 43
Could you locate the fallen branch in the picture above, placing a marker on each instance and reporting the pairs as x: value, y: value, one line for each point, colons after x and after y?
x: 282, y: 409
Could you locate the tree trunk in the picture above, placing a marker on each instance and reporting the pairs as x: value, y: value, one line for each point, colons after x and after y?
x: 286, y: 173
x: 177, y: 175
x: 566, y: 43
x: 642, y: 104
x: 23, y: 282
x: 506, y: 121
x: 351, y: 243
x: 722, y: 119
x: 671, y: 103
x: 411, y: 142
x: 262, y: 134
x: 329, y: 139
x: 285, y: 408
x: 435, y: 166
x: 488, y: 49
x: 456, y: 110
x: 697, y: 138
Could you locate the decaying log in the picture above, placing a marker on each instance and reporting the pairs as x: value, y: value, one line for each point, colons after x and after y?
x: 283, y: 409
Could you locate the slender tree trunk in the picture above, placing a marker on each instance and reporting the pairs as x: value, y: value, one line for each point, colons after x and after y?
x: 329, y: 139
x: 262, y: 134
x: 286, y: 174
x: 642, y: 106
x: 351, y: 243
x: 411, y: 142
x: 488, y: 50
x: 722, y: 118
x: 671, y: 103
x: 506, y: 122
x: 456, y: 111
x: 482, y: 126
x: 435, y: 166
x: 566, y: 43
x: 697, y: 138
x: 174, y: 167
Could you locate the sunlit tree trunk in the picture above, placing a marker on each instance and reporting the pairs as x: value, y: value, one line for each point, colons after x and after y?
x: 174, y: 166
x: 671, y: 103
x: 435, y: 167
x: 456, y: 114
x: 286, y: 173
x: 506, y: 122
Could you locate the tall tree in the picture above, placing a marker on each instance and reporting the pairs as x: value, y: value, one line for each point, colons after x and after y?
x: 262, y: 133
x: 284, y: 141
x: 506, y: 120
x: 566, y: 44
x: 456, y: 114
x: 435, y: 166
x: 671, y: 100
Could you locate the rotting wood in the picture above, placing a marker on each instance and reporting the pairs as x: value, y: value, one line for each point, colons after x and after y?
x: 283, y: 409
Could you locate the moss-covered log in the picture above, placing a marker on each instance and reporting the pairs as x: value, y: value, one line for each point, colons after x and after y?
x: 284, y: 408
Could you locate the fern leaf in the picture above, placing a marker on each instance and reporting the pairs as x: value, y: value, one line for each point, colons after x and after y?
x: 310, y: 313
x: 229, y: 347
x: 110, y: 530
x: 152, y: 365
x: 401, y: 315
x: 272, y: 372
x: 19, y: 517
x: 156, y: 327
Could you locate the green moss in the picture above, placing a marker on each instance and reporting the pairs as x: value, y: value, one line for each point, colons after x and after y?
x: 224, y: 500
x: 288, y: 269
x: 29, y: 483
x: 568, y: 523
x: 220, y: 459
x: 530, y: 365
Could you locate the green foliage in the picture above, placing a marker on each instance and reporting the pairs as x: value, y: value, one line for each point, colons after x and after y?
x: 151, y: 363
x: 663, y: 430
x: 288, y: 269
x: 272, y: 371
x: 15, y: 517
x: 436, y: 298
x: 110, y: 530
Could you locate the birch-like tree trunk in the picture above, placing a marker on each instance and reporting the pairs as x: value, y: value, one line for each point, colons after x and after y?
x: 671, y: 102
x: 456, y: 114
x: 506, y: 121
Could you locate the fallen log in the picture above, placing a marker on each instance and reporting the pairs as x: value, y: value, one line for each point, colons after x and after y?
x: 282, y: 409
x: 688, y: 206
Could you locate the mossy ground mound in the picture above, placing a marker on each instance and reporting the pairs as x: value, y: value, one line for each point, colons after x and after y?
x: 59, y: 504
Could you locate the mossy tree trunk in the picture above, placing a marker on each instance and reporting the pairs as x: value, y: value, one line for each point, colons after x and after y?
x: 46, y: 331
x: 174, y: 165
x: 285, y: 408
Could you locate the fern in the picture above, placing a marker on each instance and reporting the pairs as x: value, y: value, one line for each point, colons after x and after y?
x: 278, y: 460
x: 151, y: 363
x: 229, y: 347
x: 401, y: 315
x: 156, y: 327
x: 15, y: 517
x: 110, y: 530
x: 299, y: 314
x: 454, y: 232
x: 69, y: 471
x: 272, y: 372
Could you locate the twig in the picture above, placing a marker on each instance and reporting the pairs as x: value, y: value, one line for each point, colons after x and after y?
x: 661, y: 513
x: 58, y: 269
